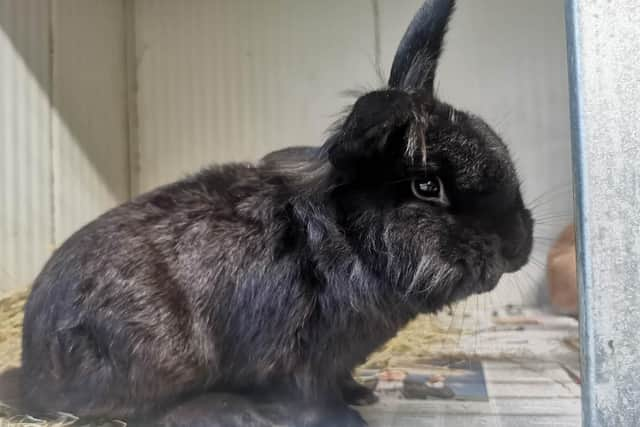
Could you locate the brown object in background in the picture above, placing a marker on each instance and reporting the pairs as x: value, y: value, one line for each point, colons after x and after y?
x: 561, y: 273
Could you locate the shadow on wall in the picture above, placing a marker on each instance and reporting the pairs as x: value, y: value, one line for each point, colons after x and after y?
x: 83, y: 78
x: 64, y: 139
x: 64, y: 125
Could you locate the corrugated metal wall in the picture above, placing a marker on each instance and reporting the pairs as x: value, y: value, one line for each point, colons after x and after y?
x: 63, y: 126
x: 25, y: 137
x: 223, y: 80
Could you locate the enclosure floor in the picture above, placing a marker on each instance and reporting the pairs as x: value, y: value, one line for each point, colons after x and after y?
x: 531, y: 369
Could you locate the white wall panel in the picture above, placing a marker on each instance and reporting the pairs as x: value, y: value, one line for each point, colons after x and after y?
x: 25, y: 197
x: 233, y: 79
x: 89, y: 127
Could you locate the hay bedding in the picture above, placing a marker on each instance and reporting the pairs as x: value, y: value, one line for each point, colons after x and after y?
x: 11, y: 311
x: 413, y: 342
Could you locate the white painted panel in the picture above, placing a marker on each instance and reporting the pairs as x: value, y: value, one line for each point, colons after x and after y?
x: 89, y: 127
x: 506, y: 61
x: 25, y: 197
x: 233, y: 79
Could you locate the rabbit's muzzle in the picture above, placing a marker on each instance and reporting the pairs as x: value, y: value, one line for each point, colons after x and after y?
x: 517, y: 240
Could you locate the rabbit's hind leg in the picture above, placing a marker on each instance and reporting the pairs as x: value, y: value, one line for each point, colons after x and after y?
x: 235, y: 410
x: 355, y: 393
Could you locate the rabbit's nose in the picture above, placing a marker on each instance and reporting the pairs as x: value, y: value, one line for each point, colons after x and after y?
x: 517, y: 241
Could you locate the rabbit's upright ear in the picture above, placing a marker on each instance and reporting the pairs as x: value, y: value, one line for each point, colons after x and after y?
x: 383, y: 121
x: 415, y: 62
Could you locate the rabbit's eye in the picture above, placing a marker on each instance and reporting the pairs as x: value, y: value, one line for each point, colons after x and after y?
x: 429, y: 189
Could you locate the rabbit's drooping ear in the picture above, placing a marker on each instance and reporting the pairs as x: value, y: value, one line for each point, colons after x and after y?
x: 414, y: 65
x: 363, y: 139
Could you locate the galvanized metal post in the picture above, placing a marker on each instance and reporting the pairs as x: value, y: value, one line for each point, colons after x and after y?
x: 604, y: 63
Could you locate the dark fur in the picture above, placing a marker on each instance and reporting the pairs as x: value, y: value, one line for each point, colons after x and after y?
x: 273, y: 281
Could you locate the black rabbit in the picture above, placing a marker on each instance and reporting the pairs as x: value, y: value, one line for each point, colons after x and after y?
x: 246, y: 294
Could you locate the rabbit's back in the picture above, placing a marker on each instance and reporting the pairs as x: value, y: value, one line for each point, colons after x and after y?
x: 162, y: 292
